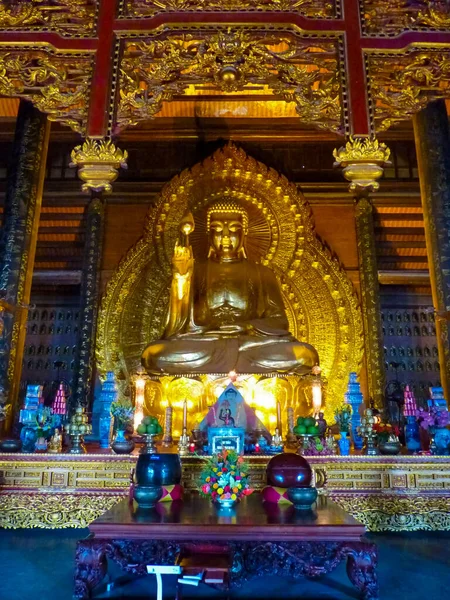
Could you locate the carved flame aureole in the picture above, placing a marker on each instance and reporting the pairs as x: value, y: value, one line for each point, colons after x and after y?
x: 320, y: 300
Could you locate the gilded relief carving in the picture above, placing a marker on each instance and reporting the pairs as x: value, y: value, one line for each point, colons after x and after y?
x: 296, y: 69
x: 397, y: 513
x: 68, y: 17
x: 308, y: 8
x: 402, y: 84
x: 56, y: 83
x: 54, y: 511
x: 391, y: 17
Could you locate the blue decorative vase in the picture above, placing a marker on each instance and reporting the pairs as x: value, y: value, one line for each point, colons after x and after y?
x: 412, y: 434
x: 225, y: 504
x: 441, y: 440
x: 344, y: 444
x: 107, y: 397
x: 29, y: 437
x: 354, y: 397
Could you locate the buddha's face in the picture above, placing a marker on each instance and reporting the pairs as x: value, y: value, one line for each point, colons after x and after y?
x: 226, y: 235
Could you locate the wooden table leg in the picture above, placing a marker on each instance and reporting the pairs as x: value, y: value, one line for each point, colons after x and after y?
x: 90, y: 567
x: 361, y: 569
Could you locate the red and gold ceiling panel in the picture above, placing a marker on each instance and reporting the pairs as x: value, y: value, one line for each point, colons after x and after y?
x: 318, y: 9
x: 302, y: 70
x: 67, y: 17
x: 58, y: 83
x: 402, y: 83
x: 101, y: 65
x: 391, y: 17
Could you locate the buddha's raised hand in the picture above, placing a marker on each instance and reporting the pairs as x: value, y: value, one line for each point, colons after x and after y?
x: 182, y: 260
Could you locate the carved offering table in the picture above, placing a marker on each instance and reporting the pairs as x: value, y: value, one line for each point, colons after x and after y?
x: 261, y: 539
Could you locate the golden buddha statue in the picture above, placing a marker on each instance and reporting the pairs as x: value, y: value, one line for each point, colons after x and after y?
x: 225, y: 314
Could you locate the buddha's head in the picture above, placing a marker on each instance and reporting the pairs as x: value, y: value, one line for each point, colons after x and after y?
x: 227, y: 226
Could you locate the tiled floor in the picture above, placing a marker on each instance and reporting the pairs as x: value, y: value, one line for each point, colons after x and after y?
x: 38, y: 565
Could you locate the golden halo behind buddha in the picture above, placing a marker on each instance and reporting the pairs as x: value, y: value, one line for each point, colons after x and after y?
x: 320, y: 300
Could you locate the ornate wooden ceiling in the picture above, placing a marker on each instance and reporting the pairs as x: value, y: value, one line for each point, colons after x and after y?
x: 348, y: 66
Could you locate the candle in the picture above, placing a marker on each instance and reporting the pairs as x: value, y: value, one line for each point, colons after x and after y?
x: 185, y: 414
x: 316, y: 397
x: 278, y: 415
x: 139, y: 401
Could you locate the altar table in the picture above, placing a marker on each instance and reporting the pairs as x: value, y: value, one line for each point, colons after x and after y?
x: 261, y: 539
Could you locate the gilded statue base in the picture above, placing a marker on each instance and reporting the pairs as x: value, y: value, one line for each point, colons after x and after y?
x: 400, y: 493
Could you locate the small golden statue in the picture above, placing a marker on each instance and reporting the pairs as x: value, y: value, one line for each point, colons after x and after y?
x: 55, y: 443
x: 226, y: 314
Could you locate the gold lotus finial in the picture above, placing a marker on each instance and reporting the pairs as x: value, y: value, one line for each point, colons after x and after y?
x: 362, y: 160
x: 361, y: 149
x: 98, y: 162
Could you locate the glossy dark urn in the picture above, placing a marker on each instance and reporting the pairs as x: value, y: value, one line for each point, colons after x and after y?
x: 302, y: 498
x: 158, y: 469
x: 147, y: 496
x: 10, y: 445
x: 389, y: 448
x: 124, y: 447
x: 288, y: 470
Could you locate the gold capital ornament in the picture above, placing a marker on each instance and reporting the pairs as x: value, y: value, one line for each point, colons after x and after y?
x: 98, y: 163
x: 362, y: 161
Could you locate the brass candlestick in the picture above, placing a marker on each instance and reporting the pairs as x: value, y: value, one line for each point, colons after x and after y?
x: 149, y: 439
x: 77, y: 429
x: 168, y: 438
x: 183, y: 444
x: 366, y: 431
x: 276, y: 444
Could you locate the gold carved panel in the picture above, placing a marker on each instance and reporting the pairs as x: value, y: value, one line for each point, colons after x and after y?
x: 320, y: 300
x: 309, y: 8
x: 54, y: 511
x: 57, y: 83
x: 67, y: 17
x: 391, y: 17
x: 397, y: 512
x: 402, y: 83
x: 290, y: 65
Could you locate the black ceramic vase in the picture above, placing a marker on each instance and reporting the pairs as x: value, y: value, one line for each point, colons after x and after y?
x: 158, y: 469
x: 147, y: 496
x: 302, y: 498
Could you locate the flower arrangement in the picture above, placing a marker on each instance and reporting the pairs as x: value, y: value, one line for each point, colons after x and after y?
x: 122, y: 410
x: 386, y: 432
x: 342, y: 417
x: 225, y: 477
x: 434, y: 418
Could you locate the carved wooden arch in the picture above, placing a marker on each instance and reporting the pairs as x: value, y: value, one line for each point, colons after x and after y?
x: 320, y: 301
